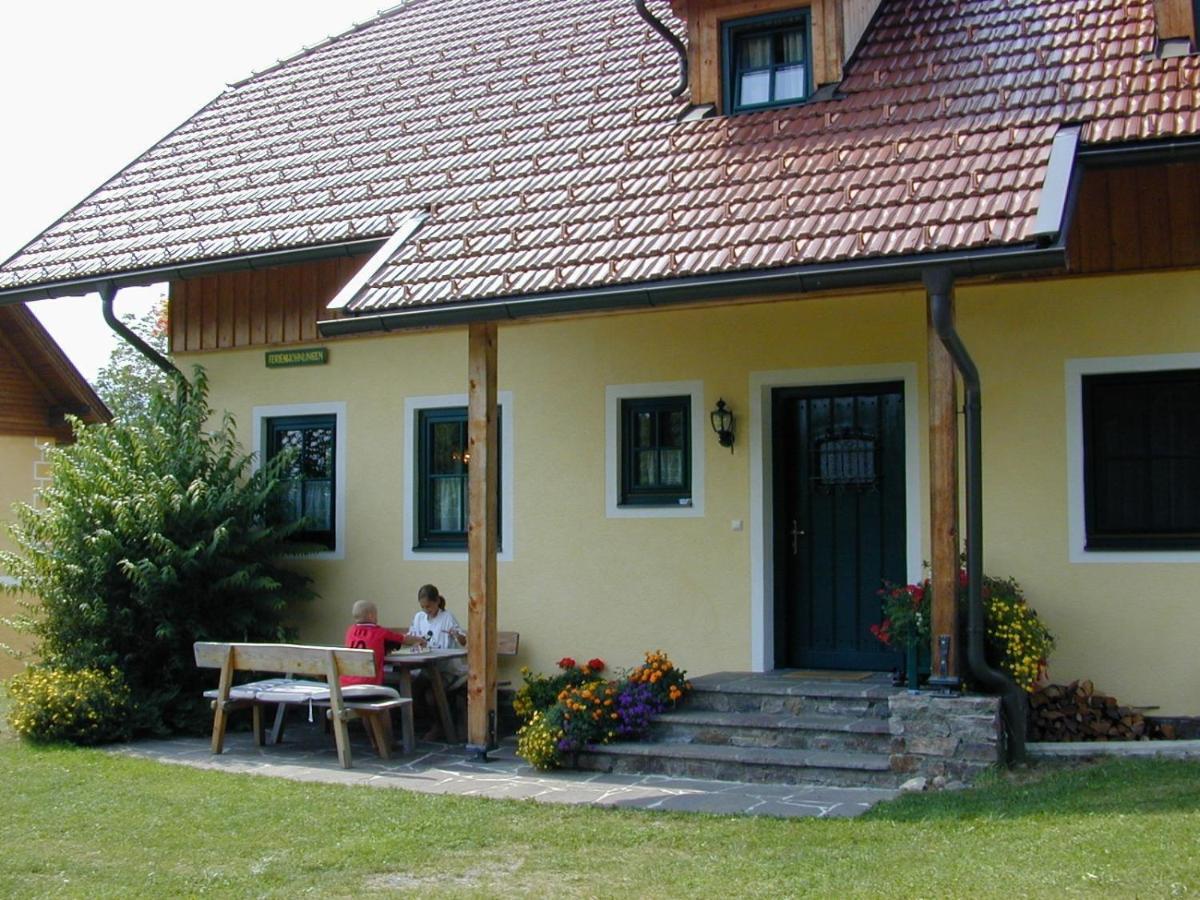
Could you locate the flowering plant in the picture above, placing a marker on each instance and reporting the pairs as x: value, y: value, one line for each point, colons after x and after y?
x: 1016, y: 640
x: 590, y: 710
x: 537, y: 744
x: 584, y: 714
x: 666, y: 682
x: 906, y: 615
x: 540, y: 692
x: 83, y: 706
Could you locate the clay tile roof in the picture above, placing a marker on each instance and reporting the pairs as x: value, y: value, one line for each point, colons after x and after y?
x: 541, y: 138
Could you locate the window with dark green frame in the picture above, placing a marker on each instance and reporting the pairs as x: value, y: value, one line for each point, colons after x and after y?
x: 1141, y: 460
x: 767, y: 61
x: 442, y: 474
x: 309, y: 478
x: 656, y: 452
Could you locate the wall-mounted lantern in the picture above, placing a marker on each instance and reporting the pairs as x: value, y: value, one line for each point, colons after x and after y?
x: 722, y: 424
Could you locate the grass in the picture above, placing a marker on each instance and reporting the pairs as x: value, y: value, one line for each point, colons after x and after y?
x: 87, y: 823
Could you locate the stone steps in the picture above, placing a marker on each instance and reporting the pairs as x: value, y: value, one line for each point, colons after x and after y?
x: 756, y: 765
x: 775, y: 728
x: 813, y: 731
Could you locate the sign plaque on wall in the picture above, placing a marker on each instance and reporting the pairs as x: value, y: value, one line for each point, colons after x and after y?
x: 309, y: 356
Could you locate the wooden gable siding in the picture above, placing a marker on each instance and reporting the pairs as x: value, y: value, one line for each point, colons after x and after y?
x: 38, y: 384
x: 1137, y: 217
x: 26, y: 405
x: 270, y: 306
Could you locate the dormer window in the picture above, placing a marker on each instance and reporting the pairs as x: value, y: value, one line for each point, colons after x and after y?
x: 767, y: 61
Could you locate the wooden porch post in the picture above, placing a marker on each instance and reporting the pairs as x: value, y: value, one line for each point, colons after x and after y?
x: 481, y: 539
x: 943, y: 502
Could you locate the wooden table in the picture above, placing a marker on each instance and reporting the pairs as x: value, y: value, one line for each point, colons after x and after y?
x: 402, y: 664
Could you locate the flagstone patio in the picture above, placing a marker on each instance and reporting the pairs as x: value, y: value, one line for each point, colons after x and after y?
x: 309, y: 755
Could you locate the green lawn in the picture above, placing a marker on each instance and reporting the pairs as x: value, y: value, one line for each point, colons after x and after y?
x: 87, y: 823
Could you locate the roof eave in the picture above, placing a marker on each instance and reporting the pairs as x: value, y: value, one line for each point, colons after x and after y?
x: 78, y: 287
x: 793, y: 280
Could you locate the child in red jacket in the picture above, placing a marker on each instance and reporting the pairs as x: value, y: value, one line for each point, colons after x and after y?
x: 366, y: 633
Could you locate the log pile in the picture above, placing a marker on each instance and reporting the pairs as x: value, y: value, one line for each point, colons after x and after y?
x: 1077, y: 712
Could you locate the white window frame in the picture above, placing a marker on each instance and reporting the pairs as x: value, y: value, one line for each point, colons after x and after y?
x: 613, y: 395
x: 413, y: 405
x: 260, y: 415
x: 1076, y: 490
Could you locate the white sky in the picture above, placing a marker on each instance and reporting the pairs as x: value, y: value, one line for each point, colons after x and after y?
x: 87, y: 85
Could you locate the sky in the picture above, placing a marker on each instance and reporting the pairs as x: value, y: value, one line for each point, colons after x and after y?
x: 86, y: 87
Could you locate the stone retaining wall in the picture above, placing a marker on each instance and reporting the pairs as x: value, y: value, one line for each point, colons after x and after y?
x: 953, y: 738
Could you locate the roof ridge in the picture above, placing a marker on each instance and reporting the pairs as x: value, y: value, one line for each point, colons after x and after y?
x: 309, y: 49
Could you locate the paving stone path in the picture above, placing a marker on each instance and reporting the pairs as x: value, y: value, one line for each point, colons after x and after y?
x: 435, y: 768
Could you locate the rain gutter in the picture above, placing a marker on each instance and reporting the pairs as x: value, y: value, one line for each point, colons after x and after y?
x: 939, y: 283
x: 722, y: 286
x: 108, y: 293
x: 669, y: 36
x: 1141, y: 153
x: 78, y: 287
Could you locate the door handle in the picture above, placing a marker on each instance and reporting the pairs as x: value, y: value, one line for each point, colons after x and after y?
x: 796, y: 534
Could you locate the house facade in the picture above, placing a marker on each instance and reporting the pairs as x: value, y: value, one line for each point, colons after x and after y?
x: 496, y: 276
x: 38, y: 388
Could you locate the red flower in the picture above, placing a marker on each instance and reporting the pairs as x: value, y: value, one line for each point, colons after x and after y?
x: 882, y: 632
x: 596, y: 665
x: 918, y: 594
x: 566, y: 663
x: 962, y: 578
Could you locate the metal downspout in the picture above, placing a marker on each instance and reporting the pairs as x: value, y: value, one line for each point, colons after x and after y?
x: 108, y: 293
x: 940, y: 284
x: 669, y: 36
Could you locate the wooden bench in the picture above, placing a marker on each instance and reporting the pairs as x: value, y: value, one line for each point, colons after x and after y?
x: 340, y: 703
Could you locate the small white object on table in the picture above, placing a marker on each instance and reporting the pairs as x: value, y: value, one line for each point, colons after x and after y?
x: 402, y: 663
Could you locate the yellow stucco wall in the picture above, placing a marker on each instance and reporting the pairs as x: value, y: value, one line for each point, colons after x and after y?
x: 583, y: 584
x: 1129, y: 626
x: 21, y: 470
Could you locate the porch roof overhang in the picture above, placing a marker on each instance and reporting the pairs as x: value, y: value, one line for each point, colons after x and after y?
x: 1039, y: 257
x: 91, y: 284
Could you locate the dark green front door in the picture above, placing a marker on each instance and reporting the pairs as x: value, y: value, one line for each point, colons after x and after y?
x: 839, y: 521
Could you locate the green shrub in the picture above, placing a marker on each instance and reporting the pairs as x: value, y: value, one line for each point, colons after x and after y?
x: 155, y: 532
x: 84, y: 706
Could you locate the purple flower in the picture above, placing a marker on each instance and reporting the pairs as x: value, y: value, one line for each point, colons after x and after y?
x: 636, y: 705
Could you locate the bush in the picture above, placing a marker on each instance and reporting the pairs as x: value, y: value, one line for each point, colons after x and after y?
x: 155, y: 533
x: 85, y: 706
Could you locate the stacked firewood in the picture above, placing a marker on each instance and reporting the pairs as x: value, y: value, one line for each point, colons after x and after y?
x: 1076, y: 712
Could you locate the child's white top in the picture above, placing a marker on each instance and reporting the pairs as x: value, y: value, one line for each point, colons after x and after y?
x: 436, y: 631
